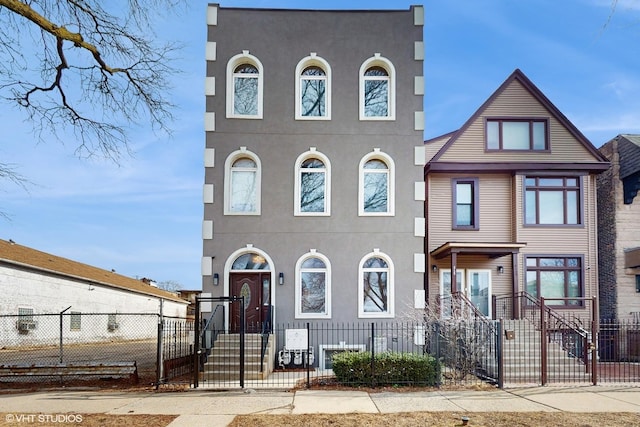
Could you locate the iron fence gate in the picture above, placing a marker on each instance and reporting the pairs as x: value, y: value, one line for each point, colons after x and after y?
x: 219, y: 354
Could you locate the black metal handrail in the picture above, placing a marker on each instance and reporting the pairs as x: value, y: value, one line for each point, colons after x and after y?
x: 530, y: 308
x: 267, y: 328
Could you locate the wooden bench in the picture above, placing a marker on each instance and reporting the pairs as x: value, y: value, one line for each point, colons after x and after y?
x: 106, y: 369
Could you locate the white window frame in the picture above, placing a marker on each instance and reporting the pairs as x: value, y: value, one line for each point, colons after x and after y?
x: 390, y: 313
x: 312, y: 153
x: 377, y: 155
x: 379, y: 61
x: 243, y: 58
x: 327, y: 291
x: 238, y: 154
x: 310, y: 61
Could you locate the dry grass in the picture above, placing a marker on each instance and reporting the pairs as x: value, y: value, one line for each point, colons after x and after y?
x: 434, y: 419
x: 443, y: 419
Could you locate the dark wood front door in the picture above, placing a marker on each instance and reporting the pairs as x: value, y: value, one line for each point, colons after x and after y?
x: 256, y: 289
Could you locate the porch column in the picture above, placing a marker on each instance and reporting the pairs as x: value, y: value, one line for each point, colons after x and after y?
x: 454, y: 275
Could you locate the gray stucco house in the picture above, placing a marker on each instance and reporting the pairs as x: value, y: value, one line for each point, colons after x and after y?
x: 314, y: 191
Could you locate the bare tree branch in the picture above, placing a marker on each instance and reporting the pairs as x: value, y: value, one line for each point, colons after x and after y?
x: 8, y: 172
x: 75, y: 68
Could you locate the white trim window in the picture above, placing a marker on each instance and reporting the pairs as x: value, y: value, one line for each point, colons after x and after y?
x: 312, y: 184
x: 375, y: 286
x: 377, y: 89
x: 313, y: 89
x: 376, y: 186
x: 242, y: 177
x: 245, y: 76
x: 313, y: 286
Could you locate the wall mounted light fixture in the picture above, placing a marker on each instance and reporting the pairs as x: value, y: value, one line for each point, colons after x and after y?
x: 434, y: 268
x: 216, y: 279
x: 281, y: 278
x: 500, y: 269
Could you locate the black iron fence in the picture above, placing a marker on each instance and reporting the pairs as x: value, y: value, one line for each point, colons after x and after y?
x: 176, y: 346
x: 302, y: 354
x: 70, y: 347
x: 619, y: 351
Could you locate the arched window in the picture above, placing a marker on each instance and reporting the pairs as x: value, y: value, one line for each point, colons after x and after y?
x: 313, y: 286
x: 377, y: 89
x: 242, y: 183
x: 375, y: 286
x: 250, y: 261
x: 313, y: 184
x: 313, y: 89
x: 244, y: 87
x: 376, y: 185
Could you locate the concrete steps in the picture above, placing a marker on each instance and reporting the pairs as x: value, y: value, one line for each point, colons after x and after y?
x: 522, y: 362
x: 223, y: 363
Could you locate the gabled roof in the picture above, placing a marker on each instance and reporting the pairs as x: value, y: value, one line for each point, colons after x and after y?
x: 27, y: 258
x: 629, y: 150
x: 519, y: 76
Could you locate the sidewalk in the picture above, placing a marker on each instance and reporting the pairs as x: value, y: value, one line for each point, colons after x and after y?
x: 197, y: 407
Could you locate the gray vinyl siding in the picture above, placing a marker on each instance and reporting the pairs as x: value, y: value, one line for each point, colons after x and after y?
x: 516, y: 101
x: 495, y: 210
x: 501, y: 197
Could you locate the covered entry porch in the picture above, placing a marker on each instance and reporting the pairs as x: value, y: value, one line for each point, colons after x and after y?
x: 482, y: 270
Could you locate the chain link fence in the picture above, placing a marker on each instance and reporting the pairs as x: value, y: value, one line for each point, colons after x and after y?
x: 70, y: 347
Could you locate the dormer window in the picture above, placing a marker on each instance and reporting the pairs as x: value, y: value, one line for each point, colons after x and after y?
x: 517, y: 134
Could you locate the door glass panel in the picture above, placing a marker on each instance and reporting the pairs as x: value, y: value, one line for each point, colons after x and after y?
x: 266, y: 292
x: 245, y: 291
x: 479, y: 290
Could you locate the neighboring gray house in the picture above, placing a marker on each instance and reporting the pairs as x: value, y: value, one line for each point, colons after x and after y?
x: 619, y: 229
x: 314, y: 189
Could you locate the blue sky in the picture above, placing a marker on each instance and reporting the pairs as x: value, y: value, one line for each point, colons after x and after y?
x: 143, y: 218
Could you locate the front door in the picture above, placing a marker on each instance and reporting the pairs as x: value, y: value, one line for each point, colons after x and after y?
x: 256, y: 290
x: 474, y: 284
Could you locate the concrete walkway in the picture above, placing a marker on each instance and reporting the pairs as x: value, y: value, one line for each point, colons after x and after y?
x: 217, y: 408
